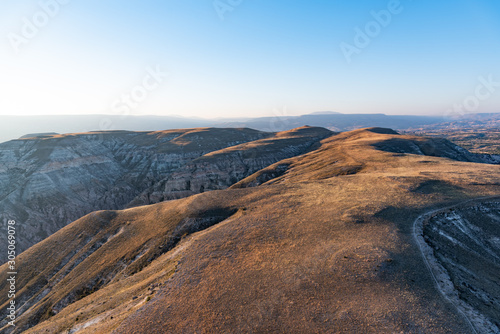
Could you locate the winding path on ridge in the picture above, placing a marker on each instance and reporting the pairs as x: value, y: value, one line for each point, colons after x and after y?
x: 477, y: 322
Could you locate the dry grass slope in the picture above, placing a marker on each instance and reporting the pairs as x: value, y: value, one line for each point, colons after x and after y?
x: 324, y: 245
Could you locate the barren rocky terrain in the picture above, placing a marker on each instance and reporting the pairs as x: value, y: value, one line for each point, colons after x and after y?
x: 49, y: 181
x: 478, y: 133
x: 317, y: 242
x: 483, y: 140
x: 464, y: 252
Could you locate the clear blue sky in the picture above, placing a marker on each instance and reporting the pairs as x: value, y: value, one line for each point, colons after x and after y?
x: 265, y: 57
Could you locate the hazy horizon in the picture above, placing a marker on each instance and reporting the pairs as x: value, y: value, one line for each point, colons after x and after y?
x: 14, y: 127
x: 275, y: 114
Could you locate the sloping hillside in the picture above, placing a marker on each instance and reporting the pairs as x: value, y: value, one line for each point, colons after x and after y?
x: 46, y: 182
x: 325, y: 245
x: 221, y: 169
x: 347, y: 154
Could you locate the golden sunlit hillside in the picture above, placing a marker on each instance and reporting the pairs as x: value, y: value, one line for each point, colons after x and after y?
x: 323, y: 244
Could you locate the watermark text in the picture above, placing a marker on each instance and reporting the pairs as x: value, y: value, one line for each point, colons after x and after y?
x: 31, y: 26
x: 485, y: 89
x: 131, y: 100
x: 224, y: 6
x: 11, y: 273
x: 371, y: 30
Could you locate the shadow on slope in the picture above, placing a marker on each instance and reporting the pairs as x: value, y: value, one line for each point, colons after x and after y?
x: 48, y: 182
x: 466, y: 242
x: 291, y: 257
x: 436, y: 147
x: 99, y: 249
x: 349, y: 153
x: 222, y: 168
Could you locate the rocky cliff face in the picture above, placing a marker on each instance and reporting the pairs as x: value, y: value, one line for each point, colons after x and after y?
x: 465, y: 242
x: 223, y: 168
x: 438, y: 147
x: 47, y: 182
x: 327, y: 245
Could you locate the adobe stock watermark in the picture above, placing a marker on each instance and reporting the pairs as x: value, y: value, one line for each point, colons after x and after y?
x: 224, y: 6
x: 11, y: 272
x: 31, y: 26
x: 280, y: 121
x: 371, y: 30
x: 484, y: 90
x: 131, y: 100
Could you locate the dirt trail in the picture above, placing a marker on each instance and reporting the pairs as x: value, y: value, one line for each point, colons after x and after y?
x: 478, y: 322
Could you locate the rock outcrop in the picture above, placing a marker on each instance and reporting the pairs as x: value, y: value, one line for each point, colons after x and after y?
x: 47, y: 182
x: 223, y: 168
x: 322, y: 242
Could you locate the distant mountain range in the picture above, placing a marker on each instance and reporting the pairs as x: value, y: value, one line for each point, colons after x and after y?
x: 13, y: 127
